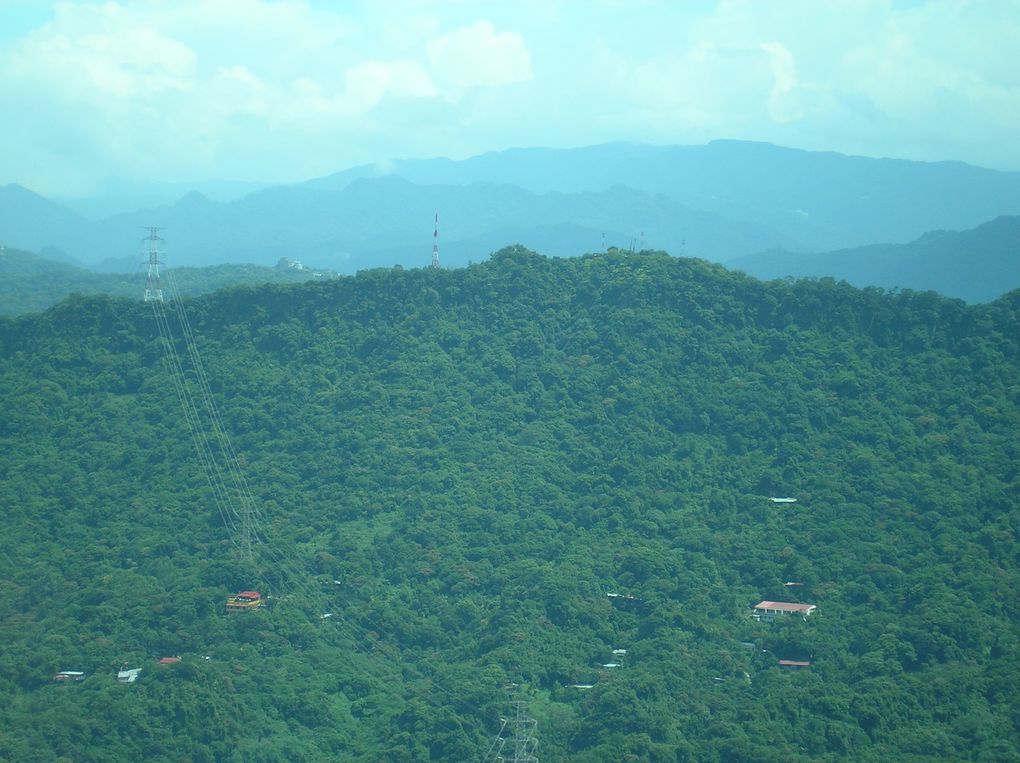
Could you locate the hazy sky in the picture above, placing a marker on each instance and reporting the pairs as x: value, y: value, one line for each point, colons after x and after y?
x: 282, y: 90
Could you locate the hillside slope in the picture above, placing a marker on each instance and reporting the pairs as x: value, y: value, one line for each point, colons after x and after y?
x: 976, y: 265
x: 458, y: 466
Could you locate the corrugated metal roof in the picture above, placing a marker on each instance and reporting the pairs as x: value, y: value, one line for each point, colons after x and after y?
x: 784, y: 606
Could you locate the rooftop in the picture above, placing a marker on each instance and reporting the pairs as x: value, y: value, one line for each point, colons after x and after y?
x: 784, y: 606
x: 128, y: 676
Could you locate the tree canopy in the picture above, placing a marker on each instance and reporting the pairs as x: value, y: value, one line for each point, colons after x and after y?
x: 458, y: 467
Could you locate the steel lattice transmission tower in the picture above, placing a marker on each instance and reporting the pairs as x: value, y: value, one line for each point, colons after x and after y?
x: 523, y: 743
x: 153, y: 289
x: 435, y: 244
x: 520, y: 745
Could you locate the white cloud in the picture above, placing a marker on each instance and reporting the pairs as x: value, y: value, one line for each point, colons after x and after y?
x: 782, y: 100
x: 99, y: 51
x: 280, y: 89
x: 478, y: 56
x: 866, y: 76
x: 186, y: 86
x: 702, y: 87
x: 368, y: 82
x: 171, y: 84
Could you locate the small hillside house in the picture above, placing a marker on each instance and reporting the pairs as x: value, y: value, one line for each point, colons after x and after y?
x: 244, y: 601
x: 128, y: 676
x: 770, y: 610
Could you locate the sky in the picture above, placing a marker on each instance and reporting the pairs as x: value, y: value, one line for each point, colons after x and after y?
x: 285, y: 90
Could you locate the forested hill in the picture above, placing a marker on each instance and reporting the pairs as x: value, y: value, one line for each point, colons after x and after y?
x: 459, y: 466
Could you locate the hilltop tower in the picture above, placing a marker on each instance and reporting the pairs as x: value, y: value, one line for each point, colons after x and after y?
x: 435, y: 244
x: 153, y: 289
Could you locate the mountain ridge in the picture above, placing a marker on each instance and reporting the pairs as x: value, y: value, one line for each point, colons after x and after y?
x: 977, y: 265
x: 765, y: 183
x: 341, y: 229
x: 735, y: 198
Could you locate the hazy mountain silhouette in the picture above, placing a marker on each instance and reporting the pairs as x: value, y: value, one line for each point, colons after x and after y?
x: 388, y: 220
x: 31, y: 221
x: 720, y: 201
x: 824, y: 200
x: 976, y: 265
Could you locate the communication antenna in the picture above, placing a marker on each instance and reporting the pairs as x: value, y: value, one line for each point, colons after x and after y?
x: 153, y: 289
x: 435, y: 244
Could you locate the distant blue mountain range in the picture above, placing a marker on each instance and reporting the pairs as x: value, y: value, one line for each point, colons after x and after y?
x: 721, y: 201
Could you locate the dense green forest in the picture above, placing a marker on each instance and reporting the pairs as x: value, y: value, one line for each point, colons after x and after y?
x: 30, y: 283
x: 459, y: 465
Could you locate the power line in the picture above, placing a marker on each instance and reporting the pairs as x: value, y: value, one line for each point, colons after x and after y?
x: 244, y: 522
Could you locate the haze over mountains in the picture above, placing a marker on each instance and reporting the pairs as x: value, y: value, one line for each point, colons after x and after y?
x: 823, y: 200
x: 724, y: 201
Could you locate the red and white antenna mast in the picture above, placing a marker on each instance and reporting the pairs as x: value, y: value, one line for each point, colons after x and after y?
x: 435, y: 244
x: 153, y: 289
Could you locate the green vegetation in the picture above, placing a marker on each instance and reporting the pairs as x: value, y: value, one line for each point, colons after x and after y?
x: 479, y: 456
x: 30, y: 283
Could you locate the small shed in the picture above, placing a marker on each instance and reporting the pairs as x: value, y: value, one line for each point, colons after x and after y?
x: 169, y: 660
x: 70, y: 675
